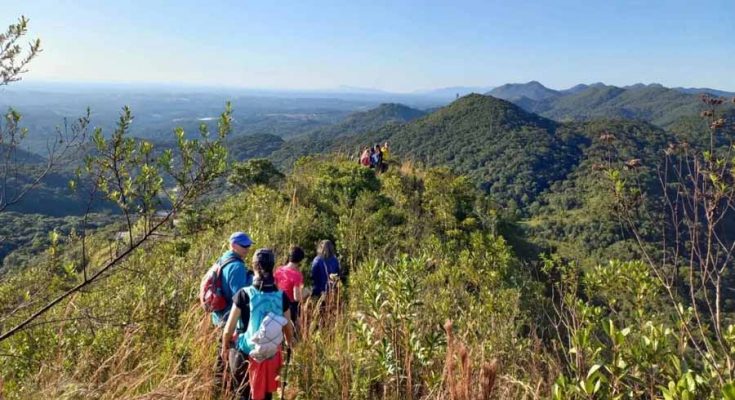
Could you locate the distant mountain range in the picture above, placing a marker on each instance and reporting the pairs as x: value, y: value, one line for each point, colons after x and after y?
x: 654, y: 103
x: 534, y: 90
x: 714, y: 92
x: 473, y: 134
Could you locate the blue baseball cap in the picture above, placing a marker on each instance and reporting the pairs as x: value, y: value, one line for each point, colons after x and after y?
x: 241, y: 239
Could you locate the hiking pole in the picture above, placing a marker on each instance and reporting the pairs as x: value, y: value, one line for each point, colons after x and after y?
x: 285, y: 373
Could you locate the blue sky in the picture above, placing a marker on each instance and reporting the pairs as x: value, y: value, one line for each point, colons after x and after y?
x: 391, y: 45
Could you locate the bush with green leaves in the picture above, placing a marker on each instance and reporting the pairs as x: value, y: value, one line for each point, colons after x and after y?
x: 617, y: 338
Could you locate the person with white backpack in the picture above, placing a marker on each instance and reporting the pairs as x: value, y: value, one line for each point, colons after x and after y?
x: 256, y: 353
x: 226, y: 277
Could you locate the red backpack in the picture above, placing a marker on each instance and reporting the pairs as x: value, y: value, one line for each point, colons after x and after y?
x: 210, y: 290
x: 365, y: 160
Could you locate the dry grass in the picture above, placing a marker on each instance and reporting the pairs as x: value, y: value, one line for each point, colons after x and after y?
x: 136, y: 371
x: 410, y: 167
x: 461, y: 380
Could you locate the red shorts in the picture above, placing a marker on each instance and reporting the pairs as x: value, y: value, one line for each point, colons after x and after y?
x: 263, y: 376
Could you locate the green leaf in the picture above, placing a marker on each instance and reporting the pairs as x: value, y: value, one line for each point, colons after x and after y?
x: 598, y: 384
x: 728, y: 391
x: 557, y: 392
x: 594, y: 369
x: 691, y: 384
x: 666, y: 393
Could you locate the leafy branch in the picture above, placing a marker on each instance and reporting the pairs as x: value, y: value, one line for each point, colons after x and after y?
x: 129, y: 174
x: 13, y: 62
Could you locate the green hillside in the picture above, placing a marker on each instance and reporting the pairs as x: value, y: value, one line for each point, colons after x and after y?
x: 357, y: 123
x: 23, y: 236
x: 245, y: 147
x: 577, y: 216
x: 511, y: 153
x: 517, y: 91
x: 653, y: 103
x: 151, y: 319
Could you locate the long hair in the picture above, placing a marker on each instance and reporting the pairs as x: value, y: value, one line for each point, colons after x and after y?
x: 326, y: 249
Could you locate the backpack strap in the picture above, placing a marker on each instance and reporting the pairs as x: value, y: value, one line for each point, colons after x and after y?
x: 223, y: 263
x: 329, y: 284
x: 228, y: 260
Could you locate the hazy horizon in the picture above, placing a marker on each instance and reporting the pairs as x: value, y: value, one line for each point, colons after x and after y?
x: 35, y: 84
x: 399, y: 47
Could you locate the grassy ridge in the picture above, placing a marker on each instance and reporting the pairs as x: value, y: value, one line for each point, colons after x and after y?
x: 420, y: 246
x: 148, y: 338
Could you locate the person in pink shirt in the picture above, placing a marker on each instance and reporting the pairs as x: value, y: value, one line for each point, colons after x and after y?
x: 290, y: 280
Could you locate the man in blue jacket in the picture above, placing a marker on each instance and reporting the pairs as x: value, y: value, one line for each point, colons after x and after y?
x: 235, y: 276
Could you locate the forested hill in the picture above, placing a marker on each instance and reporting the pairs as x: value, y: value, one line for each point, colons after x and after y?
x: 577, y: 218
x: 244, y: 147
x: 511, y: 153
x: 533, y: 90
x: 653, y: 103
x: 357, y: 123
x: 20, y: 155
x: 554, y: 176
x: 373, y: 119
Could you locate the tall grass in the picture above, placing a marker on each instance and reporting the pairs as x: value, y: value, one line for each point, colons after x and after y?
x: 416, y: 255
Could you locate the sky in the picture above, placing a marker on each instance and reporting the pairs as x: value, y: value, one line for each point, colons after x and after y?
x: 392, y: 45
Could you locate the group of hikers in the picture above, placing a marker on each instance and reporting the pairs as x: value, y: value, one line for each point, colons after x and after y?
x: 375, y: 157
x: 256, y: 308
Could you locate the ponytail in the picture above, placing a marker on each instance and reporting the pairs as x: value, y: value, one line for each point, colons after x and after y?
x: 263, y: 262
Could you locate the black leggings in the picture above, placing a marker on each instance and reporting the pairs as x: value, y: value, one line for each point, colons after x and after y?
x: 239, y: 373
x: 294, y: 307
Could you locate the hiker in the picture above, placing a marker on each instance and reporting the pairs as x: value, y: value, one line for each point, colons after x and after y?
x: 234, y: 275
x: 384, y: 158
x: 386, y: 153
x: 255, y: 355
x: 290, y: 280
x: 377, y: 158
x: 325, y: 269
x: 365, y: 157
x: 371, y: 156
